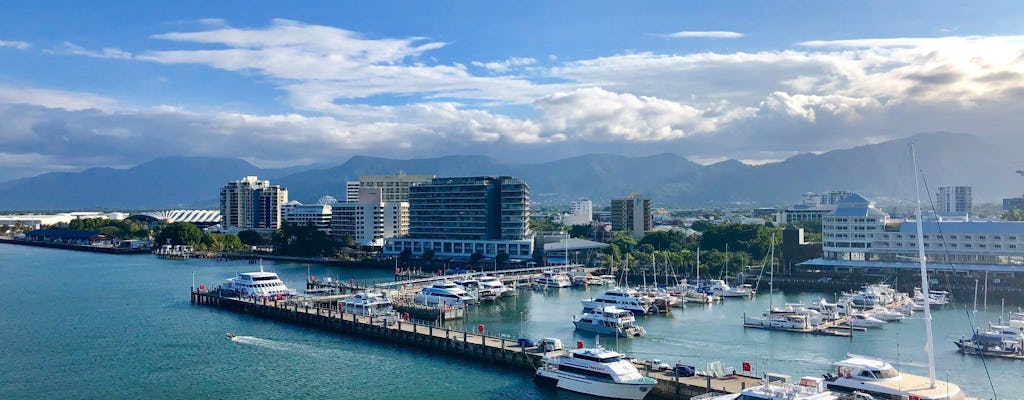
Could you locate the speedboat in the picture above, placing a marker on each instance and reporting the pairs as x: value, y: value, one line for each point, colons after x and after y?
x: 879, y: 379
x: 445, y: 293
x: 554, y: 280
x: 865, y: 321
x: 718, y: 287
x: 595, y: 371
x: 260, y: 284
x: 809, y: 388
x: 884, y: 314
x: 366, y: 303
x: 495, y: 285
x: 609, y: 320
x: 229, y: 335
x: 626, y: 299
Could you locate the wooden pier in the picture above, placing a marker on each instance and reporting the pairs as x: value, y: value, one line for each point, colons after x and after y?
x: 479, y: 346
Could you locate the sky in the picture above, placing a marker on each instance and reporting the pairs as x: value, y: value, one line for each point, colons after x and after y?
x: 113, y: 84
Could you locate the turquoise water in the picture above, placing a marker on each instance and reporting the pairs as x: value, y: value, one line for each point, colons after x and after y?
x: 85, y: 326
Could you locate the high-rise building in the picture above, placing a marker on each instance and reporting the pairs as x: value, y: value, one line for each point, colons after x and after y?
x: 352, y: 191
x: 394, y: 187
x: 250, y: 203
x: 954, y: 200
x: 370, y: 222
x: 318, y: 215
x: 581, y: 212
x: 632, y: 214
x: 457, y: 217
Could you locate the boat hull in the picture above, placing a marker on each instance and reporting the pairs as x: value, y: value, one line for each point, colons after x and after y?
x: 591, y: 387
x: 605, y: 330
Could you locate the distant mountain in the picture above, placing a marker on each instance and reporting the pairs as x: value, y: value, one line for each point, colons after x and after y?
x: 160, y: 183
x: 879, y: 171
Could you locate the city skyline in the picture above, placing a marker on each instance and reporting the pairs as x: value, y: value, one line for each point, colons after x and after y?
x: 321, y: 82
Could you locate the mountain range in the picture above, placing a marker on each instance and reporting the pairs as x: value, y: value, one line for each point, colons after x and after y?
x: 881, y: 171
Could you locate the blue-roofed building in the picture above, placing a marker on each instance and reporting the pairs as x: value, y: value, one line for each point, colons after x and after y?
x: 859, y: 235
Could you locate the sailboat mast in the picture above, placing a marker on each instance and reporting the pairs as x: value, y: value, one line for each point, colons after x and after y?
x: 771, y: 271
x: 929, y: 346
x: 698, y: 266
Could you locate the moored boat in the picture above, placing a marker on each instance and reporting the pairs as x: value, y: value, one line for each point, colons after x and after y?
x: 595, y: 371
x: 609, y: 320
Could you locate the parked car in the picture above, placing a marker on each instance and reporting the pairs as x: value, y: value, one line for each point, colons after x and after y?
x: 684, y: 370
x: 524, y: 343
x: 656, y: 365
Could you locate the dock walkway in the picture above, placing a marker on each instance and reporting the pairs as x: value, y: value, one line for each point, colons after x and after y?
x: 480, y: 346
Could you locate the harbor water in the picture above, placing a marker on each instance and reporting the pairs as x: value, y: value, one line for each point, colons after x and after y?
x: 86, y: 326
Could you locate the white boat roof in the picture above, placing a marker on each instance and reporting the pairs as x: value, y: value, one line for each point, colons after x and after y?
x: 599, y: 352
x: 863, y: 363
x: 258, y: 274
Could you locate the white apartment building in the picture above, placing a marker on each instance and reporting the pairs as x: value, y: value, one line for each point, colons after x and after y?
x: 859, y: 235
x: 318, y: 215
x: 394, y: 187
x: 250, y: 203
x: 581, y: 212
x: 369, y: 223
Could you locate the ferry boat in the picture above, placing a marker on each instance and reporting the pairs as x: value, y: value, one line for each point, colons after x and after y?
x: 258, y: 284
x: 609, y: 320
x: 809, y: 388
x: 494, y: 284
x: 366, y: 303
x: 626, y: 299
x: 445, y: 293
x: 595, y: 371
x: 554, y: 280
x: 879, y: 379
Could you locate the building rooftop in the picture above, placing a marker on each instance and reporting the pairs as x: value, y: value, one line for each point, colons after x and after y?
x: 965, y: 227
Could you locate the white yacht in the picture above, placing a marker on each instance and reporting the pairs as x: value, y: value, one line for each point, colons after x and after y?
x: 495, y: 285
x: 554, y: 280
x: 467, y: 283
x: 597, y: 372
x: 445, y: 293
x: 722, y: 289
x: 866, y: 321
x: 809, y: 388
x: 366, y: 303
x: 626, y: 299
x: 879, y: 379
x: 609, y: 320
x: 885, y: 314
x: 778, y: 321
x: 258, y: 284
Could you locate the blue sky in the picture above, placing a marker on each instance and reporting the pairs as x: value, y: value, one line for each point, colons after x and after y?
x: 284, y: 83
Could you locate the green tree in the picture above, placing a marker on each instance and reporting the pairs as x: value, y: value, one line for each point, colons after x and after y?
x: 251, y: 237
x: 405, y: 255
x: 180, y: 233
x: 475, y: 258
x: 303, y: 241
x: 701, y: 225
x: 581, y: 231
x: 1013, y: 215
x: 501, y: 258
x: 428, y: 255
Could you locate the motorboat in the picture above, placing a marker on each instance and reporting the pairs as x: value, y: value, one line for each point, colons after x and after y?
x: 445, y: 293
x: 627, y: 299
x: 935, y: 297
x: 778, y: 322
x: 366, y: 304
x: 884, y: 314
x: 609, y: 320
x: 468, y: 283
x: 229, y: 335
x: 693, y: 296
x: 815, y: 317
x: 809, y: 388
x: 879, y: 379
x: 495, y: 285
x: 554, y: 279
x: 865, y: 321
x: 993, y: 342
x: 260, y: 284
x: 718, y: 287
x: 594, y: 371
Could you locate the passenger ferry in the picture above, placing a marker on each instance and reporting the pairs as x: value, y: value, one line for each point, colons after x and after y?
x: 597, y: 372
x: 880, y: 380
x: 626, y: 299
x: 366, y: 303
x: 445, y: 293
x: 258, y: 284
x: 554, y: 280
x: 609, y: 320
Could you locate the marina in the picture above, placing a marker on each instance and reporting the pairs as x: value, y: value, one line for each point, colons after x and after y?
x: 696, y: 335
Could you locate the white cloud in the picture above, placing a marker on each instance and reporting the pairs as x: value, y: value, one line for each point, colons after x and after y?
x: 17, y: 44
x: 107, y: 52
x: 503, y: 66
x: 48, y: 98
x: 705, y: 34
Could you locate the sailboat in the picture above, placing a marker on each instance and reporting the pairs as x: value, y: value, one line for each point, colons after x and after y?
x: 877, y: 377
x: 788, y: 318
x: 693, y: 293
